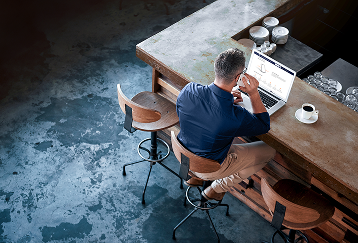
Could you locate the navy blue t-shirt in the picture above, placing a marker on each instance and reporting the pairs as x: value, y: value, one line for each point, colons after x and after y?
x: 209, y: 120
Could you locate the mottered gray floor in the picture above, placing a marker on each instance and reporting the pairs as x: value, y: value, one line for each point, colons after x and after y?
x: 62, y: 142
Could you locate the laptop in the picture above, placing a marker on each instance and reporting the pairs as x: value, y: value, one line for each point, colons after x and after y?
x: 275, y: 82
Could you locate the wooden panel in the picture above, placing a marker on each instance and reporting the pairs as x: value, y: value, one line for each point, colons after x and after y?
x: 335, y: 195
x: 345, y: 221
x: 155, y: 76
x: 313, y: 237
x: 169, y: 87
x: 253, y: 199
x: 288, y: 164
x: 167, y: 94
x: 333, y: 230
x: 161, y: 67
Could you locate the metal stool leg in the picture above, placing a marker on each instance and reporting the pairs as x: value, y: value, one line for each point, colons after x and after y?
x: 227, y: 208
x: 302, y: 236
x: 124, y: 166
x: 174, y: 173
x: 182, y: 222
x: 145, y: 188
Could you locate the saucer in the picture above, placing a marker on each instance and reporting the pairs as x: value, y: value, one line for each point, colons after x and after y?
x: 299, y: 117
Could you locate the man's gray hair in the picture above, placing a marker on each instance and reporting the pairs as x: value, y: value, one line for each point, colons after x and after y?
x: 228, y: 63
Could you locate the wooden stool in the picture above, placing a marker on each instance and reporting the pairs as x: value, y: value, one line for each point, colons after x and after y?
x: 295, y: 207
x: 189, y: 163
x: 148, y: 112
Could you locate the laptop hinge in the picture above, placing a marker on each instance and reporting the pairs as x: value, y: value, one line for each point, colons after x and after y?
x: 270, y: 94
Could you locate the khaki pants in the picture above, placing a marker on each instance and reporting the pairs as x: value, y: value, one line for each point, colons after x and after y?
x: 243, y: 160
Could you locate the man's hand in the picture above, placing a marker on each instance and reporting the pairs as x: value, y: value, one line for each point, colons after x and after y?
x: 237, y: 94
x: 251, y: 88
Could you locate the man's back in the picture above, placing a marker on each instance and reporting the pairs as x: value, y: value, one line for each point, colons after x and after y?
x: 209, y: 120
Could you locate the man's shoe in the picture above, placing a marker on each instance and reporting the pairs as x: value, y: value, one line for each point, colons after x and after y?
x: 193, y: 182
x: 210, y: 194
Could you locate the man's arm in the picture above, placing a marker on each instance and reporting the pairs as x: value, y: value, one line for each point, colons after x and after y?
x: 251, y: 90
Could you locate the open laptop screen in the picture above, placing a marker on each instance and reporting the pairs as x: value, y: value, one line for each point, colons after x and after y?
x: 272, y: 75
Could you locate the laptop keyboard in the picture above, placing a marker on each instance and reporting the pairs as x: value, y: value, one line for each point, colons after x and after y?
x: 267, y: 100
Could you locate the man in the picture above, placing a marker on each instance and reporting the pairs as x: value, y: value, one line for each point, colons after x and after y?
x: 210, y: 119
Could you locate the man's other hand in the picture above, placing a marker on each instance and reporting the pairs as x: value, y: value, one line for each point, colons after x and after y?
x: 237, y: 95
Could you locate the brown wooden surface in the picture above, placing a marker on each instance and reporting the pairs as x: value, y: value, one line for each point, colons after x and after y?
x: 197, y: 163
x: 140, y: 113
x: 327, y: 149
x: 150, y: 111
x: 166, y: 108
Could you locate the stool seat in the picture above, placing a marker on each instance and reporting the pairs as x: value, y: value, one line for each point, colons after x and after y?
x: 295, y: 207
x: 305, y: 208
x: 301, y: 195
x: 167, y: 110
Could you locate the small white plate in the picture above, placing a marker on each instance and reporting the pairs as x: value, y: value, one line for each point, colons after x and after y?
x: 339, y: 86
x: 299, y: 117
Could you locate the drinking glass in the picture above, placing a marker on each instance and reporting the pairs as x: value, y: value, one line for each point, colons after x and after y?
x: 310, y: 78
x: 313, y: 84
x: 317, y: 82
x: 350, y: 105
x: 350, y: 101
x: 318, y: 75
x: 324, y: 80
x: 323, y: 87
x: 355, y: 92
x: 351, y: 98
x: 332, y: 82
x: 339, y: 96
x: 331, y: 90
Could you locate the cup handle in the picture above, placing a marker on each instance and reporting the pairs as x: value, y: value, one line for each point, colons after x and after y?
x: 316, y: 112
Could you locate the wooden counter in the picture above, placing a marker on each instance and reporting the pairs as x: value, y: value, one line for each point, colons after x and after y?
x: 322, y: 154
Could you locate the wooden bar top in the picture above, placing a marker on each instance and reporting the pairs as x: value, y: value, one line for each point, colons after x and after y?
x: 327, y: 148
x: 189, y: 47
x: 185, y: 52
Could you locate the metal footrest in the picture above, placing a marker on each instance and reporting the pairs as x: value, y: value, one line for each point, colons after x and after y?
x: 197, y: 203
x: 139, y: 148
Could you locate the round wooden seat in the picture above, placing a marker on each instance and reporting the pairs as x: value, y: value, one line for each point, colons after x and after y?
x: 167, y: 110
x: 305, y: 208
x: 151, y: 111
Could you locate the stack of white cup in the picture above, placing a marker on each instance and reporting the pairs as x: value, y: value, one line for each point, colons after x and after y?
x: 259, y: 34
x: 270, y: 23
x: 280, y: 35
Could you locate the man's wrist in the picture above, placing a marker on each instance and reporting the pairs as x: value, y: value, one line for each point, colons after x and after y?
x: 254, y: 94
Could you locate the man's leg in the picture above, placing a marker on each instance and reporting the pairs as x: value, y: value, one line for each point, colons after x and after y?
x: 243, y: 160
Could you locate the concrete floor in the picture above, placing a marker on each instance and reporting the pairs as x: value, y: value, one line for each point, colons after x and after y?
x: 62, y: 142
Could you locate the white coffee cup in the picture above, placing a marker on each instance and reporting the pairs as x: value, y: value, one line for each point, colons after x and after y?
x: 308, y: 110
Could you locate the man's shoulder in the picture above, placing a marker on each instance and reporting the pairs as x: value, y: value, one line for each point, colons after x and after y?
x: 193, y: 88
